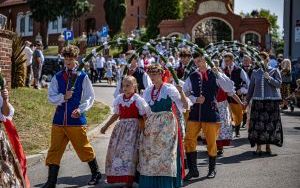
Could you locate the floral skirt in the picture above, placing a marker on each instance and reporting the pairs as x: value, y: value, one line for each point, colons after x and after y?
x: 158, y: 146
x: 265, y: 123
x: 122, y: 154
x: 225, y: 135
x: 10, y: 172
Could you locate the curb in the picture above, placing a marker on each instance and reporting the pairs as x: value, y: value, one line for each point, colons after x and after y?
x: 41, y: 156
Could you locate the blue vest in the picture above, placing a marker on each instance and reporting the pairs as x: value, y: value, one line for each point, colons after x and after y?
x: 208, y: 111
x: 63, y: 112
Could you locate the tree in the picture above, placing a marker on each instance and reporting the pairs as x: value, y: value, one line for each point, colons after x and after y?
x: 115, y: 12
x: 44, y: 11
x: 187, y: 7
x: 74, y: 9
x: 272, y: 18
x: 161, y: 10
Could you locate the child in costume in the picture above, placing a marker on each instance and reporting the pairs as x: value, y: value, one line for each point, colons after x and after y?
x: 122, y: 154
x: 72, y: 92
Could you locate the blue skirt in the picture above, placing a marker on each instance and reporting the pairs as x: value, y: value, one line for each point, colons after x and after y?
x: 163, y: 181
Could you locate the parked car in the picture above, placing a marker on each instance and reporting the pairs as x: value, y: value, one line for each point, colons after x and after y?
x: 52, y: 64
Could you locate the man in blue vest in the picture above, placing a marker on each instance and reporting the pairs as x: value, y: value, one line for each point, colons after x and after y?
x: 73, y: 94
x: 201, y: 87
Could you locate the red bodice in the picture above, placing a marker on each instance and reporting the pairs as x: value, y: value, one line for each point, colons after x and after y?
x: 128, y: 112
x: 221, y: 95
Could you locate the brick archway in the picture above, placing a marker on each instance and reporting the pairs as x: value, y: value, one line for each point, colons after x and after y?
x: 220, y: 10
x: 195, y: 27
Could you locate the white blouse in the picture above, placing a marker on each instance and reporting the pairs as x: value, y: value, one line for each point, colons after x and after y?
x: 167, y: 90
x: 141, y: 104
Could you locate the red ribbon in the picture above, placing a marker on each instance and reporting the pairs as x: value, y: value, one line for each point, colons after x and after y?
x: 14, y: 140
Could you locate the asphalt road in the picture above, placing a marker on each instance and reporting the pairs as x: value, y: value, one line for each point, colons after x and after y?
x: 238, y: 168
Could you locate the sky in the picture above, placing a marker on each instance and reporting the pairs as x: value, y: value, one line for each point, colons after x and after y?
x: 275, y: 6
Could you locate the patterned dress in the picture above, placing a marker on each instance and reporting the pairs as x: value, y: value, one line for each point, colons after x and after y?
x: 10, y: 171
x: 160, y: 164
x: 122, y: 154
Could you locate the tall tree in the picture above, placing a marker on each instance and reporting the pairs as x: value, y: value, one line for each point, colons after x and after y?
x: 272, y: 18
x: 187, y: 7
x: 115, y: 12
x: 44, y: 11
x: 161, y: 10
x: 74, y: 9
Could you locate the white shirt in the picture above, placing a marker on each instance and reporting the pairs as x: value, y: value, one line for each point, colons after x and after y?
x: 100, y: 62
x: 141, y: 63
x: 28, y: 52
x: 87, y: 98
x: 222, y: 80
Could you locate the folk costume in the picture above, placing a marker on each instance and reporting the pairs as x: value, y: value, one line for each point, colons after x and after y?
x: 265, y: 121
x: 11, y: 174
x: 161, y: 154
x: 122, y: 154
x: 203, y: 116
x: 65, y: 128
x: 241, y: 82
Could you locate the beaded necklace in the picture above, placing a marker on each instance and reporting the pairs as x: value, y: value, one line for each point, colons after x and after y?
x: 155, y: 96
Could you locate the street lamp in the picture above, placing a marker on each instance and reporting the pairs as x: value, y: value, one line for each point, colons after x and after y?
x: 3, y: 20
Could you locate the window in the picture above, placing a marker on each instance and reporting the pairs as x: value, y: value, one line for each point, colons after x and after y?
x: 55, y: 25
x: 132, y: 2
x: 64, y: 22
x: 22, y: 25
x: 30, y: 27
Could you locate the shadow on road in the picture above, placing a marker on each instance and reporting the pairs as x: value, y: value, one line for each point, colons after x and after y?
x: 194, y: 181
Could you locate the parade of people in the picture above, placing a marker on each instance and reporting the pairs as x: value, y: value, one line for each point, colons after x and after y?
x: 195, y: 99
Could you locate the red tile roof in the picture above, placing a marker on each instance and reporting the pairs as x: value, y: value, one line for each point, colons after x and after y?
x: 5, y: 3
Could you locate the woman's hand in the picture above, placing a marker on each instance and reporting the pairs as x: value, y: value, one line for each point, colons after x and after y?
x: 5, y: 94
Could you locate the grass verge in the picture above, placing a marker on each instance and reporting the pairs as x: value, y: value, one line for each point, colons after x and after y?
x: 33, y: 117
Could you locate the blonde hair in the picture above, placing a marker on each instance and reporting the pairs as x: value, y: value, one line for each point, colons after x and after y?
x: 298, y: 82
x: 131, y: 80
x: 286, y: 64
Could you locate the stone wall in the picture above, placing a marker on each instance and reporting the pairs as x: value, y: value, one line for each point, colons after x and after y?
x: 5, y: 55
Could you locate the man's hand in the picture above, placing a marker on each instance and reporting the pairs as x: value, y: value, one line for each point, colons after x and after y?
x: 4, y: 94
x: 238, y: 92
x: 76, y: 113
x: 68, y: 95
x: 267, y: 76
x: 200, y: 99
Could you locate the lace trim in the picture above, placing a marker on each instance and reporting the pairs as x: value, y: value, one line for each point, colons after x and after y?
x: 140, y: 104
x: 166, y: 90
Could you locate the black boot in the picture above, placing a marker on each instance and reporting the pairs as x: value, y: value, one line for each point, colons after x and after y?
x: 192, y: 165
x: 52, y: 176
x: 96, y: 175
x: 237, y: 131
x: 212, y: 167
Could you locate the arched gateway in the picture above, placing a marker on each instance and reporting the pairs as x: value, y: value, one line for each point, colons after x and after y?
x: 214, y: 21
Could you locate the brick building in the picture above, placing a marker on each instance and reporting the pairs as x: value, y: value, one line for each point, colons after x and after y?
x: 19, y: 15
x: 5, y: 55
x: 214, y: 20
